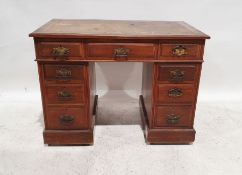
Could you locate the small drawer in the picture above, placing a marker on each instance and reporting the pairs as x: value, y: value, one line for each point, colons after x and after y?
x: 181, y: 51
x: 175, y: 93
x: 177, y: 73
x: 60, y: 50
x: 121, y: 51
x: 66, y: 118
x: 54, y: 73
x: 173, y: 116
x: 65, y: 94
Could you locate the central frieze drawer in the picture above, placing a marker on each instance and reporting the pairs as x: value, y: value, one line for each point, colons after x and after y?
x: 65, y: 94
x: 119, y: 51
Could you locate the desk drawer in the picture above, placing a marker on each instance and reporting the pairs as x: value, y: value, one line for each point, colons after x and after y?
x: 60, y: 50
x: 177, y: 73
x: 121, y: 51
x: 65, y: 94
x: 175, y: 93
x: 181, y: 51
x: 173, y: 116
x: 66, y: 118
x: 59, y: 73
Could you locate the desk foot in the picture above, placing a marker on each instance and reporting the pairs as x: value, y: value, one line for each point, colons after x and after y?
x: 70, y: 137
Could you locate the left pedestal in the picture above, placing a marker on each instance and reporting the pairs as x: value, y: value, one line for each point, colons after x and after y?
x: 69, y: 102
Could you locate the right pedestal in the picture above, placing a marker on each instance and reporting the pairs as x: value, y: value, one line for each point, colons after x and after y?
x: 168, y: 102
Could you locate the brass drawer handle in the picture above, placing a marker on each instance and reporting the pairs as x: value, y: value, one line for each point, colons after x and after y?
x: 63, y: 73
x: 177, y: 75
x: 64, y: 94
x: 173, y: 119
x: 179, y: 51
x: 66, y: 119
x: 175, y: 92
x: 121, y: 52
x: 60, y: 51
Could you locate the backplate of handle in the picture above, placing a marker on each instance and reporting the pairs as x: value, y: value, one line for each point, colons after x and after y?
x: 63, y: 73
x: 177, y: 75
x: 172, y: 119
x: 179, y: 50
x: 175, y: 92
x: 64, y: 94
x: 66, y: 119
x: 60, y: 51
x: 121, y: 52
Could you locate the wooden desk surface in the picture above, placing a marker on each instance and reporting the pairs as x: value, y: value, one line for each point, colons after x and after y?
x: 60, y: 28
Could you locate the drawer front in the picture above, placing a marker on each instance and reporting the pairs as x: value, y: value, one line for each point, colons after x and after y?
x: 173, y: 116
x: 63, y: 73
x: 121, y: 51
x: 60, y: 50
x: 181, y: 51
x: 177, y: 73
x: 175, y: 93
x: 66, y: 118
x: 65, y: 94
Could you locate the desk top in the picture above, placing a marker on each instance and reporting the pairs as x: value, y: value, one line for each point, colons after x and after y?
x: 62, y: 28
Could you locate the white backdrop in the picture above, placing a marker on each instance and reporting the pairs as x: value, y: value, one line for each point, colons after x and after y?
x: 120, y: 149
x: 221, y: 19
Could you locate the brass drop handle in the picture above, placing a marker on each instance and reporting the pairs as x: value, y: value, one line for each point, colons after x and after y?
x: 175, y: 92
x: 64, y: 94
x: 173, y: 119
x: 66, y: 119
x: 60, y: 51
x: 121, y: 52
x: 179, y: 51
x: 177, y: 75
x: 63, y: 73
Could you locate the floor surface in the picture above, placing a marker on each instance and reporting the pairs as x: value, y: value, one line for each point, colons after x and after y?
x: 119, y: 143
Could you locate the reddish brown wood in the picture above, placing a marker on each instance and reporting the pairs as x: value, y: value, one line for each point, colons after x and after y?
x: 68, y: 137
x: 74, y: 75
x: 148, y: 79
x: 55, y: 117
x: 164, y: 135
x: 46, y: 48
x: 162, y: 113
x: 77, y: 106
x: 168, y: 136
x: 76, y: 94
x: 189, y: 73
x: 187, y: 90
x: 193, y: 51
x: 91, y: 93
x: 167, y: 118
x: 136, y: 51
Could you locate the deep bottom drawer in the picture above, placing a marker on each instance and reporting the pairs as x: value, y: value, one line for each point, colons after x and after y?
x: 173, y: 116
x: 67, y: 118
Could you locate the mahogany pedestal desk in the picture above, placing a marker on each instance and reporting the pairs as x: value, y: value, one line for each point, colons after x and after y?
x: 171, y: 53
